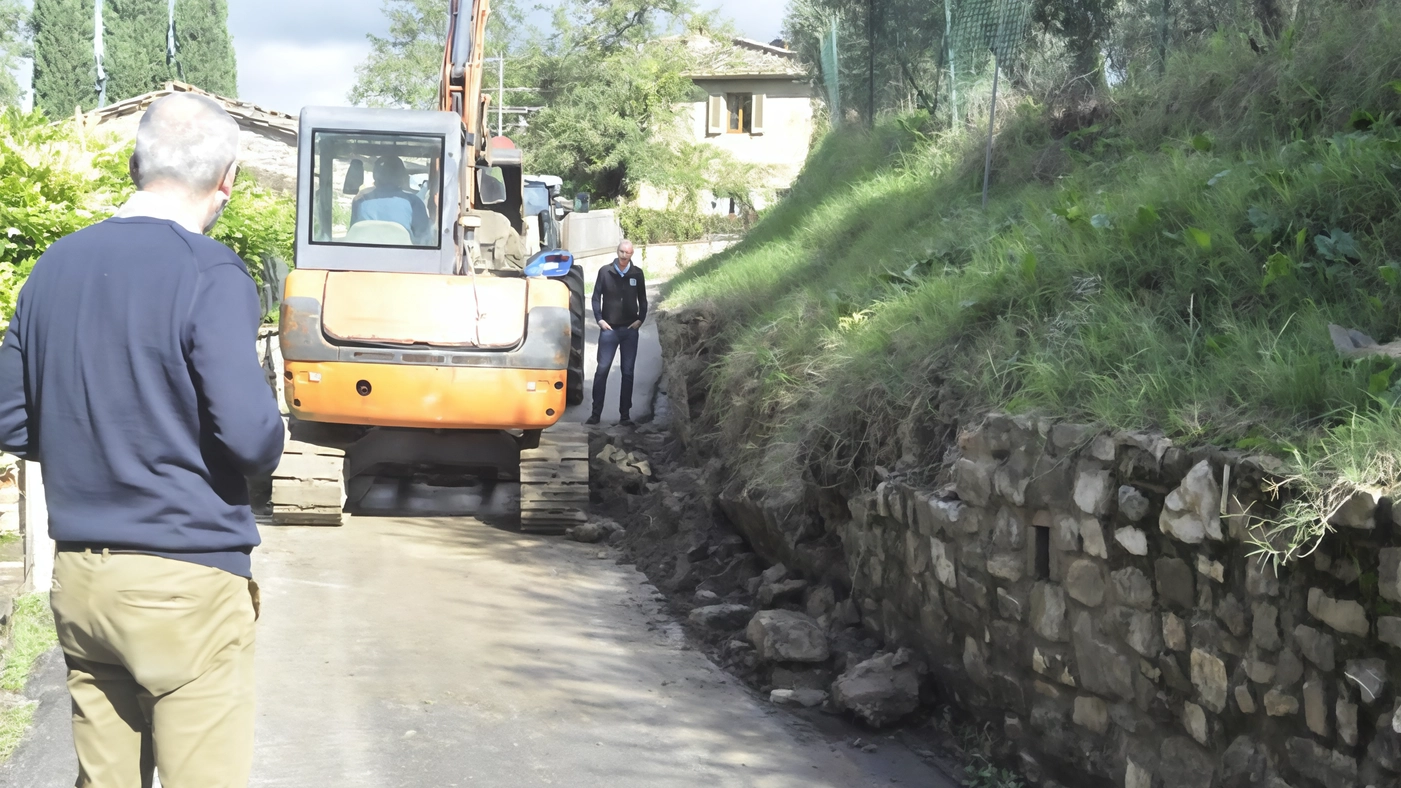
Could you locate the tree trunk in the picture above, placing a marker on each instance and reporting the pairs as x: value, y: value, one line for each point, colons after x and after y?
x: 1270, y: 16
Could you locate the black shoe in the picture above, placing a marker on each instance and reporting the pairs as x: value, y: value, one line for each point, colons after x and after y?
x: 625, y: 422
x: 591, y: 420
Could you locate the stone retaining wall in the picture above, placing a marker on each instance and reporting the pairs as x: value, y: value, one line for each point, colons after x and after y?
x: 1084, y: 591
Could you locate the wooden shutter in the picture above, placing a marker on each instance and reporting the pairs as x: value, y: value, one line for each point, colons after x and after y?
x: 715, y: 115
x: 756, y: 115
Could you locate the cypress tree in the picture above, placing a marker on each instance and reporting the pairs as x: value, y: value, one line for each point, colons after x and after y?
x: 65, y: 73
x: 136, y: 44
x: 205, y: 50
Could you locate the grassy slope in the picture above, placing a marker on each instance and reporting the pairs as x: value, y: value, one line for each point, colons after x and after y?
x: 1120, y: 274
x: 32, y: 634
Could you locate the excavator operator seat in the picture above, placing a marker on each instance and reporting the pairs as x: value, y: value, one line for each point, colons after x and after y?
x: 378, y: 233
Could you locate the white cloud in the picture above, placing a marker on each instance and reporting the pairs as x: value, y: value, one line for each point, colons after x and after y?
x: 295, y: 53
x: 286, y: 76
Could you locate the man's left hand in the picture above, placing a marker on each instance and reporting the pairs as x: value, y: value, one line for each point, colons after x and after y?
x: 636, y: 324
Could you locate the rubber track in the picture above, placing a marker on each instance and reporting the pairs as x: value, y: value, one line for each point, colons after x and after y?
x: 308, y: 487
x: 555, y: 480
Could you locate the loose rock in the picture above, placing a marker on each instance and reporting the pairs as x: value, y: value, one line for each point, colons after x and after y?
x: 781, y: 593
x: 721, y: 617
x: 786, y: 636
x: 878, y: 690
x: 807, y: 698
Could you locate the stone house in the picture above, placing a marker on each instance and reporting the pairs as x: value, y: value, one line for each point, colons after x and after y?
x: 753, y: 101
x: 268, y: 138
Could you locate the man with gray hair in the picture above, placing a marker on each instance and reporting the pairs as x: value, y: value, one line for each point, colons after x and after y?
x: 620, y: 307
x: 129, y: 372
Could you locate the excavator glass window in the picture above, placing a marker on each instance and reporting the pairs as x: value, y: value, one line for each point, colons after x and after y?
x: 377, y: 189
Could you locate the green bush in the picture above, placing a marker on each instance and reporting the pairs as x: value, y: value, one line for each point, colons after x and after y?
x: 55, y: 181
x: 645, y: 226
x: 1171, y: 264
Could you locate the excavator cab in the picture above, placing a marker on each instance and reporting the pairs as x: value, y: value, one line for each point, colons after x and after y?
x: 424, y: 327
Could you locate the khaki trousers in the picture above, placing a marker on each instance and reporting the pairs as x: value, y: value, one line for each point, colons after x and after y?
x: 160, y: 667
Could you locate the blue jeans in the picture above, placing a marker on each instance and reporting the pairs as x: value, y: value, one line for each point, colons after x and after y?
x: 608, y: 344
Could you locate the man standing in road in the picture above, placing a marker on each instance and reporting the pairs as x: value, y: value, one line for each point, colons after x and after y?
x: 619, y: 306
x: 129, y: 372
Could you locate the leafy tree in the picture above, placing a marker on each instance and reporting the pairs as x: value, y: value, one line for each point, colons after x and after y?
x: 64, y: 67
x: 205, y: 52
x: 13, y: 46
x: 612, y: 85
x: 1082, y: 26
x: 403, y: 69
x: 135, y: 44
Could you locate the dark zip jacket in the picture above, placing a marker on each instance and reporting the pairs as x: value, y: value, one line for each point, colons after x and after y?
x: 129, y: 371
x: 619, y: 299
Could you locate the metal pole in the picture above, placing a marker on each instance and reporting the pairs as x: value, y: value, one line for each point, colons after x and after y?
x: 992, y: 119
x: 953, y: 71
x: 871, y: 46
x: 501, y: 93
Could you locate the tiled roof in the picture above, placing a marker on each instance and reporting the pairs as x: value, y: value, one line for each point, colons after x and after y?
x: 740, y: 57
x: 248, y: 115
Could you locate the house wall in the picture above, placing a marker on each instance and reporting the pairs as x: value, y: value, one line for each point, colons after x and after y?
x: 782, y: 148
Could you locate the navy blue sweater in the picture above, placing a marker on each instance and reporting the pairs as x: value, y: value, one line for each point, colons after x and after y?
x: 130, y: 372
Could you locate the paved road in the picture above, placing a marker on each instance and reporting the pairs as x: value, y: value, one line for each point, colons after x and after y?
x: 444, y: 652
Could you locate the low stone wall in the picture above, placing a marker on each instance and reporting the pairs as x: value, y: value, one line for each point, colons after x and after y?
x: 1089, y: 594
x: 1084, y: 591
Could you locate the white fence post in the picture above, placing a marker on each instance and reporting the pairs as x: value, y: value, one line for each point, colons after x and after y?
x: 34, y: 524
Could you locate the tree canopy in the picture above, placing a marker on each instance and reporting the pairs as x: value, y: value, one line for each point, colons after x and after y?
x: 608, y: 77
x: 64, y: 66
x: 135, y: 44
x: 204, y: 51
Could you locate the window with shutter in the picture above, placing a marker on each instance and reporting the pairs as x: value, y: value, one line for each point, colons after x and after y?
x: 739, y: 112
x: 715, y: 115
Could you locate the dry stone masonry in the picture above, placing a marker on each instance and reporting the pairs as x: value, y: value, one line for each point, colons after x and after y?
x: 1095, y: 595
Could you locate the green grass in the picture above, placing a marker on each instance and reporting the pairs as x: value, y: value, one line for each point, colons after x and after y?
x: 31, y: 634
x: 1172, y: 265
x: 14, y: 723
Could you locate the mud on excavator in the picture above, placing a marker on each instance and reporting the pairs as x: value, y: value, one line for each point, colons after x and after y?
x: 431, y: 321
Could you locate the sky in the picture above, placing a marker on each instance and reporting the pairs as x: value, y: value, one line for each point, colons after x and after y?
x: 294, y: 53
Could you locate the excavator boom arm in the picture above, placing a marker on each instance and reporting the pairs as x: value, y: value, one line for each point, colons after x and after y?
x: 459, y: 90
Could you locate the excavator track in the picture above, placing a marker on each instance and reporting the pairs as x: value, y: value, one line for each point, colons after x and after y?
x: 555, y: 480
x: 308, y: 487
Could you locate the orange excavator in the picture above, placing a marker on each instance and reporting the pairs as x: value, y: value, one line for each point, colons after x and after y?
x: 431, y: 324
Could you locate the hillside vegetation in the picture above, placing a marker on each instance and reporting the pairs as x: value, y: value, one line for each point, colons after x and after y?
x: 1169, y: 258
